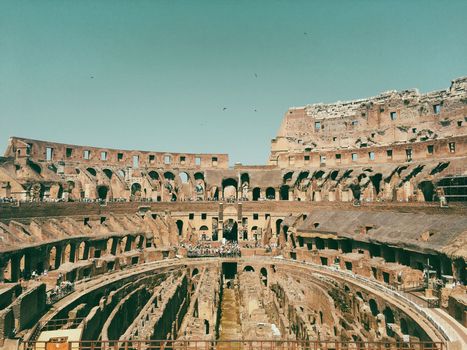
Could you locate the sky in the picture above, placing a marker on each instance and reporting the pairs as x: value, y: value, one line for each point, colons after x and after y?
x: 217, y: 76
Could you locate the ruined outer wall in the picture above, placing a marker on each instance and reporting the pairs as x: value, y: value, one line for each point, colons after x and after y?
x: 387, y: 119
x: 37, y: 150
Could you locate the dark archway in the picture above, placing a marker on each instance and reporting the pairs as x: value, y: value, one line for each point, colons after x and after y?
x: 278, y: 226
x: 256, y: 193
x: 169, y: 176
x: 102, y: 192
x: 231, y: 230
x: 108, y: 173
x: 153, y: 175
x: 229, y: 188
x: 264, y: 276
x: 270, y: 193
x: 136, y: 189
x: 376, y: 181
x: 249, y: 268
x: 428, y: 190
x: 284, y: 193
x: 92, y: 171
x: 373, y: 307
x: 180, y: 227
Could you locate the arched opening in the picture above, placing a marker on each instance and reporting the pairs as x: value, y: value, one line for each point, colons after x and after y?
x: 206, y: 326
x: 121, y: 173
x: 334, y: 174
x: 284, y: 193
x: 249, y: 268
x: 180, y: 227
x: 256, y: 193
x: 319, y: 243
x: 35, y: 167
x: 92, y: 171
x: 66, y: 256
x: 102, y: 192
x: 278, y: 226
x: 199, y: 176
x: 373, y: 307
x: 194, y: 272
x: 288, y: 176
x: 389, y: 317
x: 184, y: 177
x: 245, y: 178
x: 204, y: 232
x: 82, y: 251
x: 53, y: 258
x: 136, y: 189
x: 254, y: 233
x: 153, y: 175
x: 231, y: 230
x: 264, y: 276
x: 404, y: 326
x: 428, y: 190
x: 270, y: 193
x: 376, y: 181
x: 169, y: 176
x: 108, y: 173
x: 229, y: 188
x: 318, y: 174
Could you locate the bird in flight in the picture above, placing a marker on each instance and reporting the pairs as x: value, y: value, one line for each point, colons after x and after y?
x: 256, y: 75
x: 224, y: 108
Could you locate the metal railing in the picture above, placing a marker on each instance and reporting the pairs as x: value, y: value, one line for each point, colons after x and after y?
x: 235, y: 345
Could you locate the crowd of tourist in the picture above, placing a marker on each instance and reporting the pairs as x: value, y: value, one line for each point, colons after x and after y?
x: 61, y: 290
x: 227, y: 249
x: 8, y: 200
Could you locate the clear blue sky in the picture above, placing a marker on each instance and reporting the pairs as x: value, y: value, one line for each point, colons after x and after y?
x: 156, y: 74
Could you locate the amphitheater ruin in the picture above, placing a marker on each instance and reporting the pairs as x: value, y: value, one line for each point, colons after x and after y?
x: 353, y: 236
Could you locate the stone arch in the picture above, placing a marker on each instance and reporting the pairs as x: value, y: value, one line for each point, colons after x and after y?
x: 140, y: 242
x: 194, y: 272
x: 169, y: 175
x: 102, y: 192
x: 334, y: 174
x: 231, y: 230
x: 256, y: 193
x: 376, y: 181
x: 82, y: 251
x: 270, y: 193
x: 248, y: 268
x: 67, y: 254
x: 199, y: 176
x: 179, y: 227
x: 229, y: 188
x: 373, y: 307
x: 184, y: 177
x: 284, y: 193
x: 278, y: 226
x: 287, y: 176
x: 404, y: 326
x: 91, y: 171
x: 35, y: 167
x: 136, y: 189
x: 428, y: 190
x: 108, y: 173
x: 53, y: 258
x: 154, y: 175
x: 264, y: 276
x: 121, y: 173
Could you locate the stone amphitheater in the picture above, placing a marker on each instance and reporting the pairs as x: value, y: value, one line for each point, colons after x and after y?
x: 353, y: 236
